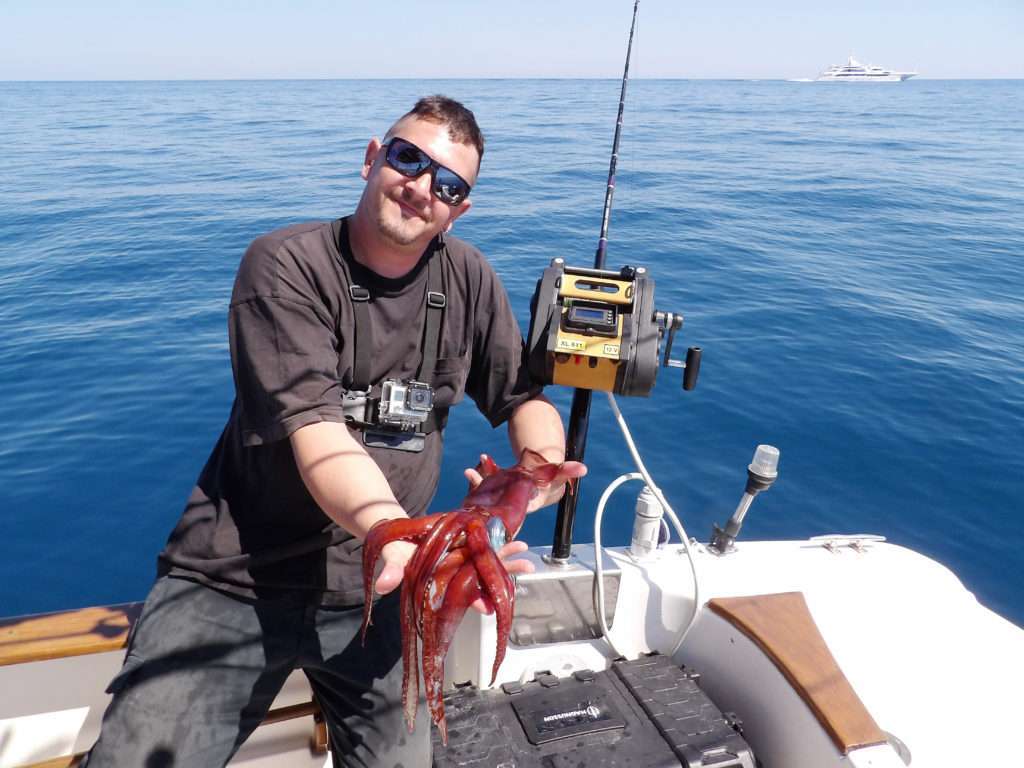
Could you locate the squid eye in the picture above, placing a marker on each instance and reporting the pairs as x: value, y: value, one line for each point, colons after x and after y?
x: 496, y: 533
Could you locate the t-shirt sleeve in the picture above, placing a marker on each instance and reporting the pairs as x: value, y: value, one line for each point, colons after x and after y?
x: 498, y: 377
x: 283, y: 347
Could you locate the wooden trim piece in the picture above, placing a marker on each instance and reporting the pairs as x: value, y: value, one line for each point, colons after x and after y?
x: 96, y: 630
x: 68, y: 633
x: 318, y: 741
x: 279, y: 715
x: 68, y: 761
x: 782, y: 626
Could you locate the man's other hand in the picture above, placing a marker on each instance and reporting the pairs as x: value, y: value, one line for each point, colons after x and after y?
x: 570, y: 472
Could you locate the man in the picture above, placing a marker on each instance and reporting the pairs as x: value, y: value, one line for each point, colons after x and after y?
x: 349, y: 341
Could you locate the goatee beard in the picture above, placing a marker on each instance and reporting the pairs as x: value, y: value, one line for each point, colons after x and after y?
x: 394, y: 231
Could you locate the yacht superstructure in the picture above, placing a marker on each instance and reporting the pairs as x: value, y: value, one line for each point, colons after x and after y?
x: 855, y: 72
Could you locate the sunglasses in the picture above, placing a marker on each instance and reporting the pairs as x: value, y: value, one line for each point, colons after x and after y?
x: 411, y: 161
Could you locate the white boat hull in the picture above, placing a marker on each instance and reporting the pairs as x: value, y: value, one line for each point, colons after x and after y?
x: 893, y: 78
x: 938, y: 672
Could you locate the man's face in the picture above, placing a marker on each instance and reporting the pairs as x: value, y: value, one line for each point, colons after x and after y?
x: 405, y: 210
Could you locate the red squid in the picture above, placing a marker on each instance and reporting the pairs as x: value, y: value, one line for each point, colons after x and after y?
x: 455, y: 563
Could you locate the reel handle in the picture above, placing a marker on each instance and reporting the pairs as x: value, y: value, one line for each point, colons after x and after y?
x: 671, y: 323
x: 691, y: 368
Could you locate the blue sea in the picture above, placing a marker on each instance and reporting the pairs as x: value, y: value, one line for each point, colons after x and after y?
x: 851, y: 260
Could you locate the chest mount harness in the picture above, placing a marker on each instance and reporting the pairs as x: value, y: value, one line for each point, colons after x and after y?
x: 396, y: 413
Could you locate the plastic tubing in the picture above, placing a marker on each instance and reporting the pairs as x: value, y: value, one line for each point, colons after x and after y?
x: 599, y: 569
x: 599, y: 514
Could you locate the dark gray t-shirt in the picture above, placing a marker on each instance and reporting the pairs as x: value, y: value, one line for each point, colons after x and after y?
x: 250, y: 525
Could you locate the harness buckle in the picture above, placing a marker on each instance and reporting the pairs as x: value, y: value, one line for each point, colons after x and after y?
x: 436, y: 300
x: 354, y: 406
x: 359, y: 293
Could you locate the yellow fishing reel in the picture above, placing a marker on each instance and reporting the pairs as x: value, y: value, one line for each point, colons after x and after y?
x: 598, y: 329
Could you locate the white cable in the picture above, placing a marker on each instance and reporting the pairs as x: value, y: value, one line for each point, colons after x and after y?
x: 598, y: 515
x: 643, y: 471
x: 668, y: 510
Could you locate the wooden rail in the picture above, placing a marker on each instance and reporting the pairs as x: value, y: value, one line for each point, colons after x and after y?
x: 98, y: 630
x: 68, y: 633
x: 279, y: 715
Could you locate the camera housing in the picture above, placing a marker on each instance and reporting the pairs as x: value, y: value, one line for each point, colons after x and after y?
x: 404, y: 405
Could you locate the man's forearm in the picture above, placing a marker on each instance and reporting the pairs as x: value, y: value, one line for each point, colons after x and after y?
x: 536, y: 424
x: 342, y: 478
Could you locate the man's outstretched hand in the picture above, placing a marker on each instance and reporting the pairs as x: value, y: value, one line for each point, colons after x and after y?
x: 396, y: 554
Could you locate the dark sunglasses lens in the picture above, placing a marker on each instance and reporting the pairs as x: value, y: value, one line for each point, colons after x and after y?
x: 449, y: 187
x: 407, y: 159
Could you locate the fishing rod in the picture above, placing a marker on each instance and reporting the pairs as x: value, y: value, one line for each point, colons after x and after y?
x: 602, y: 241
x: 579, y: 414
x: 594, y: 328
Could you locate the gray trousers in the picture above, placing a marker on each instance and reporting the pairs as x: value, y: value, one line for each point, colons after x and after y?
x: 204, y: 667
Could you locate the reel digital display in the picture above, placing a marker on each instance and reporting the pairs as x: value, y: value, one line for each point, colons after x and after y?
x: 585, y: 318
x: 598, y: 329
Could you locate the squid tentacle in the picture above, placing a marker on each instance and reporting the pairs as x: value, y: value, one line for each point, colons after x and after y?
x: 454, y: 587
x: 434, y: 649
x: 419, y: 577
x: 495, y: 583
x: 432, y: 553
x: 382, y: 533
x: 410, y: 667
x: 487, y: 466
x: 461, y: 591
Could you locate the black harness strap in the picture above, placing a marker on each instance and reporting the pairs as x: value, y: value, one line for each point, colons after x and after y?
x: 364, y: 337
x: 436, y: 301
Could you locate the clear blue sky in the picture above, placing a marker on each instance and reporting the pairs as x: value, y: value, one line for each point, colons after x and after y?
x: 214, y: 39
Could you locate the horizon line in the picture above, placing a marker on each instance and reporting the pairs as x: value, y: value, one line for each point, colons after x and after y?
x: 404, y: 78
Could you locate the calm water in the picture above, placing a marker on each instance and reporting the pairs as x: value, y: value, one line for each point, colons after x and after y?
x: 850, y: 258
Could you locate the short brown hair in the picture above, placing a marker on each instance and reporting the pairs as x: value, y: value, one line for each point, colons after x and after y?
x: 461, y: 122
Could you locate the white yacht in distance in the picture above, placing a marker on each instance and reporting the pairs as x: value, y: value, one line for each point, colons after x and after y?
x: 855, y: 72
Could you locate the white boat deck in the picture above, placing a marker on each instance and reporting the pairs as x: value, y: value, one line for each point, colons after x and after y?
x: 934, y: 667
